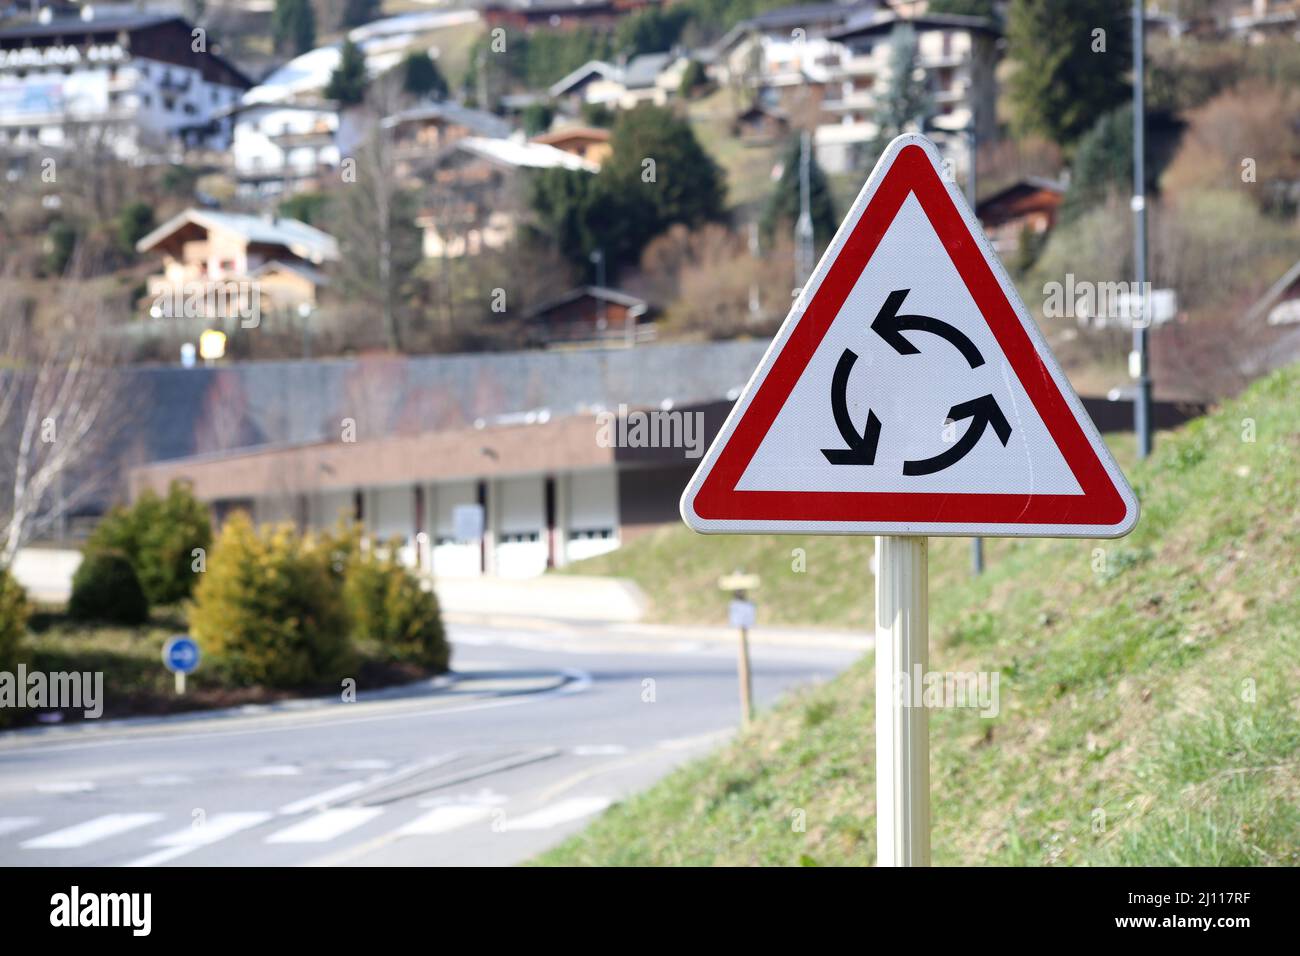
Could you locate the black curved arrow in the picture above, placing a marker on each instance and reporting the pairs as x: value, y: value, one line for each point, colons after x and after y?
x: 982, y: 411
x: 862, y: 448
x: 889, y: 325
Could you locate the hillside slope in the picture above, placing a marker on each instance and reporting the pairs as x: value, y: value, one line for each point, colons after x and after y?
x: 1149, y: 695
x: 807, y: 580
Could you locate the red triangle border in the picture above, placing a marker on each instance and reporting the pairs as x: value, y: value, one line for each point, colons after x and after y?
x: 911, y: 172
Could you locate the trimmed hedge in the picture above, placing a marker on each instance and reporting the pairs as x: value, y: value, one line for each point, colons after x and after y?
x: 105, y: 588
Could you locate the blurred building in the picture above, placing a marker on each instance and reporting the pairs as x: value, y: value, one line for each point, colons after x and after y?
x: 1028, y: 205
x: 587, y: 142
x: 267, y: 262
x: 138, y: 83
x: 825, y: 65
x: 591, y: 315
x: 400, y: 443
x: 277, y: 149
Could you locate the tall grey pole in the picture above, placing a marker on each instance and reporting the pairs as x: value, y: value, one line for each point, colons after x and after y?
x: 803, y: 232
x: 1140, y: 365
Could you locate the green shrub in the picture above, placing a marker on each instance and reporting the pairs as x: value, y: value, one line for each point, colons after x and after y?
x: 158, y: 535
x: 13, y: 625
x: 13, y: 618
x: 269, y: 608
x: 388, y: 605
x: 106, y: 588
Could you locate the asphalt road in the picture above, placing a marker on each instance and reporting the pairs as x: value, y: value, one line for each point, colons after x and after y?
x: 540, y: 732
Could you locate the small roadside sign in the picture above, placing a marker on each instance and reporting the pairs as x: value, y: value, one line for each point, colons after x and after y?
x: 738, y: 581
x: 180, y: 655
x: 742, y: 614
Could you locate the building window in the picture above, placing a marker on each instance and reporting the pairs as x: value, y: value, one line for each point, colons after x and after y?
x: 591, y: 534
x: 521, y: 537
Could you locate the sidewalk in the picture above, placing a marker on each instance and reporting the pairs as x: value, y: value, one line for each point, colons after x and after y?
x: 668, y: 633
x: 594, y: 607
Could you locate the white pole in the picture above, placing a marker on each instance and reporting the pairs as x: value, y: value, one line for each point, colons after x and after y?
x: 180, y: 682
x: 902, y: 724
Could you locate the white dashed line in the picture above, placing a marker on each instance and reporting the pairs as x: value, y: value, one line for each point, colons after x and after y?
x: 326, y: 825
x: 91, y: 831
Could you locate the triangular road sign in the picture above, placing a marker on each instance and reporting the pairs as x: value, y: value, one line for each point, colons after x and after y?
x: 909, y: 392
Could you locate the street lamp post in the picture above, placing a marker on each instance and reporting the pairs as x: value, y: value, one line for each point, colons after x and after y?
x: 1139, y: 362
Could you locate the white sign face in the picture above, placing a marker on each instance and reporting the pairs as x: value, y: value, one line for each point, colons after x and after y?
x: 467, y: 523
x: 742, y: 614
x: 909, y: 392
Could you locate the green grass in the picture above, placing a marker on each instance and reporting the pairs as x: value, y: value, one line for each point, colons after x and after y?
x: 678, y: 571
x: 748, y: 168
x: 1149, y: 710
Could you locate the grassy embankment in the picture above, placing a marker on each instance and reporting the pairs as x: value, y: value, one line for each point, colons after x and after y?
x: 1150, y: 686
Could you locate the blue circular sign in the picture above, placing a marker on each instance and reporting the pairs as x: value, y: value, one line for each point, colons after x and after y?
x: 181, y: 654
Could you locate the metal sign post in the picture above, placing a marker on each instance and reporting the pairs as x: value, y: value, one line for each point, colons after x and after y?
x: 741, y: 614
x: 902, y: 724
x: 908, y: 394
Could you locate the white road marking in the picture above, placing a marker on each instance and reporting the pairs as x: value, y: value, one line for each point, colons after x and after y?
x: 286, y: 770
x: 599, y: 750
x: 165, y: 780
x: 68, y: 786
x: 443, y: 819
x: 325, y: 825
x: 319, y: 799
x: 91, y: 831
x: 363, y: 765
x: 10, y: 824
x: 188, y: 840
x: 161, y: 856
x: 218, y: 827
x: 483, y: 797
x: 565, y: 811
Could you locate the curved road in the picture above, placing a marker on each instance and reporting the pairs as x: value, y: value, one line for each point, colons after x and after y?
x: 540, y: 732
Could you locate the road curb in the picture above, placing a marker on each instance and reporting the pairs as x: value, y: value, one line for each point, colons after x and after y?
x: 567, y: 629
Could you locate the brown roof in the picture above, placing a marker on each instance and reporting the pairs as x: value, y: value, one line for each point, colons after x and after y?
x: 590, y: 133
x: 556, y: 445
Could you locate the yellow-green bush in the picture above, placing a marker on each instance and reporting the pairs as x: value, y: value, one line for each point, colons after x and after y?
x: 388, y: 605
x: 13, y: 625
x: 269, y: 608
x: 13, y: 618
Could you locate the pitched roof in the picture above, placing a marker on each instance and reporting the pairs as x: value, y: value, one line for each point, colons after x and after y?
x: 109, y: 23
x: 484, y: 123
x: 509, y: 152
x: 885, y: 23
x: 575, y: 77
x: 639, y: 72
x: 304, y: 241
x: 314, y: 276
x: 559, y: 135
x: 1025, y: 182
x: 635, y: 305
x: 1275, y: 292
